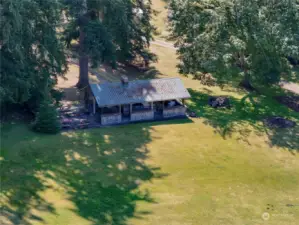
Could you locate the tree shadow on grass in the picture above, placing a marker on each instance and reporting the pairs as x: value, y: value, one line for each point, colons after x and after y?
x: 106, y: 73
x: 247, y: 113
x: 135, y: 73
x: 100, y: 169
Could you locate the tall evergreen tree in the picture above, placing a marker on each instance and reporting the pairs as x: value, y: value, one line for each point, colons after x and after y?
x: 31, y: 53
x: 109, y: 31
x: 236, y: 39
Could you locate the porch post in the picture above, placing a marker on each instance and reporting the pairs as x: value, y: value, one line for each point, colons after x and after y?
x: 94, y: 105
x: 130, y: 112
x: 152, y: 106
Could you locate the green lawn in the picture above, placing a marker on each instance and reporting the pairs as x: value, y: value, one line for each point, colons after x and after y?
x: 223, y: 168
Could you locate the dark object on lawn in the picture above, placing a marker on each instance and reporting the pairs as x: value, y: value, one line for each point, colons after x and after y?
x: 66, y: 123
x: 74, y: 123
x: 279, y: 122
x: 220, y: 101
x: 290, y: 101
x: 192, y: 114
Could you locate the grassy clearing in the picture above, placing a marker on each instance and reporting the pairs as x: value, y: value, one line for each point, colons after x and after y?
x: 223, y: 168
x: 178, y: 172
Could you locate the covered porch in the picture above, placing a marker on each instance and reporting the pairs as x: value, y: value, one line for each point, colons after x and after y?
x: 138, y: 101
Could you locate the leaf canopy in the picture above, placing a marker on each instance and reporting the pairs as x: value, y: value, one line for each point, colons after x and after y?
x: 233, y: 39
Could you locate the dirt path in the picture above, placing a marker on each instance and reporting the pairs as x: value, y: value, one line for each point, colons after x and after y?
x: 164, y: 44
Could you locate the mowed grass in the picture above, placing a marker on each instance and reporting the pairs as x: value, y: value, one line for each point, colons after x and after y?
x: 176, y: 172
x: 222, y: 168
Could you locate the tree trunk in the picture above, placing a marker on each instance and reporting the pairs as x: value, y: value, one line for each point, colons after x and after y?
x: 83, y: 57
x: 83, y: 70
x: 245, y: 83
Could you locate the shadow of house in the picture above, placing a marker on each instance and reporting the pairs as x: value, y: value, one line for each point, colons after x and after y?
x: 135, y: 73
x: 101, y: 171
x: 250, y: 110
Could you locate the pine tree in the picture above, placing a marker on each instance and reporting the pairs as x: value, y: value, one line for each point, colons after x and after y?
x: 47, y: 120
x: 109, y: 31
x: 32, y: 55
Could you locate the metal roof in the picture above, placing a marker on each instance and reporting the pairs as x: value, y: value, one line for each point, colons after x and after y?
x: 114, y: 93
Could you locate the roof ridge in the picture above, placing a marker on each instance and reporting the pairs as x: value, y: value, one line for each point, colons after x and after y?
x: 166, y: 78
x: 130, y: 81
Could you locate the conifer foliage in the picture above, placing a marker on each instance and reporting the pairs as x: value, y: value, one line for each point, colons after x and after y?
x: 47, y: 120
x: 109, y: 31
x: 32, y: 55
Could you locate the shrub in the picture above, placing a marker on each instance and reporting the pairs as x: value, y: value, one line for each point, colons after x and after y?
x: 47, y: 120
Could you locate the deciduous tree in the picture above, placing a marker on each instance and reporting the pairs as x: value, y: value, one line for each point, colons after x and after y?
x: 244, y: 40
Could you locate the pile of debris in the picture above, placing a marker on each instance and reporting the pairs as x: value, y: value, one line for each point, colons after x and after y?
x: 191, y: 114
x: 205, y: 79
x: 290, y: 101
x: 73, y: 117
x: 279, y: 122
x: 219, y: 102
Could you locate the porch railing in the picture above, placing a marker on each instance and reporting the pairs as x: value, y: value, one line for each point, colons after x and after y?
x: 179, y: 110
x: 110, y: 118
x: 142, y: 115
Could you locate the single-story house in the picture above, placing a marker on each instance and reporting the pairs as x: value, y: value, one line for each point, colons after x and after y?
x: 124, y: 101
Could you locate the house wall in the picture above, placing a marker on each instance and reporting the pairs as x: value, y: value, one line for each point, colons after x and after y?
x: 107, y: 119
x: 143, y: 115
x: 174, y: 111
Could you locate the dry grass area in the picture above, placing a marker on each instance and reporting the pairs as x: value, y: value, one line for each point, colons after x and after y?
x: 67, y: 84
x: 165, y: 67
x: 160, y: 20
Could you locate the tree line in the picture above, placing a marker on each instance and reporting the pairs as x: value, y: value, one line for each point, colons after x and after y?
x: 253, y: 41
x: 36, y: 33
